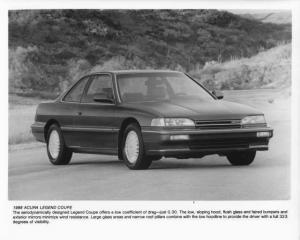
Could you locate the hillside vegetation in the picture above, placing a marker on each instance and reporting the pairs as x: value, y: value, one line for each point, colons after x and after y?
x: 268, y: 69
x: 50, y: 49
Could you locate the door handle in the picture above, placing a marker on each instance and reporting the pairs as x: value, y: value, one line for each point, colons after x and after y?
x: 79, y: 113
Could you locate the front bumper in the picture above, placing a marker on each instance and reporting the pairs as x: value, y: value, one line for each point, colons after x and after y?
x: 196, y: 142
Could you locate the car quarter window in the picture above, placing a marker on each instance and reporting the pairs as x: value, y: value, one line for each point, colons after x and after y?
x: 74, y: 95
x: 100, y: 84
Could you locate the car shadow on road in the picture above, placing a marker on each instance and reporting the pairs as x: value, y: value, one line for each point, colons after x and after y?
x: 158, y: 165
x: 172, y: 165
x: 164, y: 164
x: 97, y: 162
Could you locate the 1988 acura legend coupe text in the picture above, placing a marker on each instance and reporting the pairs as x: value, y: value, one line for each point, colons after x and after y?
x: 142, y: 116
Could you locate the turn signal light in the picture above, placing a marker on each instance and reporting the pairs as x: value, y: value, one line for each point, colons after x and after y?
x: 263, y: 134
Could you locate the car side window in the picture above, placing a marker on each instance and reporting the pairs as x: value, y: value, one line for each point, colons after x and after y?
x: 100, y: 84
x: 74, y: 95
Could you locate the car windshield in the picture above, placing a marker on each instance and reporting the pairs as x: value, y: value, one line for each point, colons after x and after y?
x: 145, y: 87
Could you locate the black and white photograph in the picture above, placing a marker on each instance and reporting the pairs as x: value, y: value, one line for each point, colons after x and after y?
x: 149, y: 104
x: 150, y: 119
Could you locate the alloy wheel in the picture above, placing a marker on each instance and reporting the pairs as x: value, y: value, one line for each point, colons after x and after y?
x: 132, y: 147
x: 54, y: 144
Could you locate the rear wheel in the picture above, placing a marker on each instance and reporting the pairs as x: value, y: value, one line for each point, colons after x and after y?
x: 241, y: 158
x: 57, y: 151
x: 133, y: 148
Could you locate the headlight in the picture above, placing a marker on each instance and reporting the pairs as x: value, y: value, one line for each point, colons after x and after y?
x: 172, y: 122
x: 253, y: 120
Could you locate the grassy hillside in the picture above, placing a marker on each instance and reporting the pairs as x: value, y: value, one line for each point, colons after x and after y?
x: 50, y: 49
x: 268, y: 69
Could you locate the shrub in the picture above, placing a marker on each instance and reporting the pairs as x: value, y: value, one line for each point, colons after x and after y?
x: 120, y: 63
x: 19, y: 67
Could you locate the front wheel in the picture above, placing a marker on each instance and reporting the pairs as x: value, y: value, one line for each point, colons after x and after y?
x: 133, y: 149
x: 241, y: 158
x: 57, y: 151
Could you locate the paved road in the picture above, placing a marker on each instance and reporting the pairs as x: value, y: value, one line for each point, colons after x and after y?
x: 99, y: 177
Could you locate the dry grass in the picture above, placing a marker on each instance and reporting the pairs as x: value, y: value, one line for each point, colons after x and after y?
x: 20, y: 119
x: 268, y: 69
x: 21, y: 114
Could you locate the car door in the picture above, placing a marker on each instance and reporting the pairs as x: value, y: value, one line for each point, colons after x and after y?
x: 95, y: 119
x: 68, y: 110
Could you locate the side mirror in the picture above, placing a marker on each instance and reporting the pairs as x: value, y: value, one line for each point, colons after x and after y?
x: 103, y: 98
x: 218, y: 94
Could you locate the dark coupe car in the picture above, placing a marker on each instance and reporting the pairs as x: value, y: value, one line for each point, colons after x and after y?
x: 142, y: 116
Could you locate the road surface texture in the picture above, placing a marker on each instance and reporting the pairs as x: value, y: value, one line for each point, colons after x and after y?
x: 100, y: 177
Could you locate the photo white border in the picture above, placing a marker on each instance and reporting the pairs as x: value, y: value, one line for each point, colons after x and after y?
x: 175, y: 229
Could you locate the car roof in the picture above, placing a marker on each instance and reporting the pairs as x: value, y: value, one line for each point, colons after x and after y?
x: 136, y: 71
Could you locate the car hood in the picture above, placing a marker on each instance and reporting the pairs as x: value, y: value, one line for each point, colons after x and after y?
x: 196, y: 110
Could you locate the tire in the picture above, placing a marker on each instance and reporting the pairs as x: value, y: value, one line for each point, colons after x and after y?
x: 120, y: 155
x: 57, y: 151
x: 241, y: 158
x: 133, y: 148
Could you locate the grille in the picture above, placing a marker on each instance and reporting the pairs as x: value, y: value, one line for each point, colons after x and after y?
x: 218, y: 124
